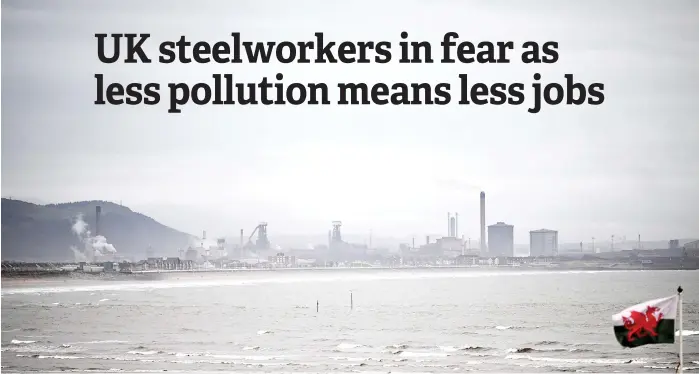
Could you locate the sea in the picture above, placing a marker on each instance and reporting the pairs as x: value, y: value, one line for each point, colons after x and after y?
x: 341, y: 321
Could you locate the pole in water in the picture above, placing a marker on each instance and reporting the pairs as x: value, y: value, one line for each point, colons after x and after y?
x: 351, y: 301
x: 317, y: 305
x: 679, y: 302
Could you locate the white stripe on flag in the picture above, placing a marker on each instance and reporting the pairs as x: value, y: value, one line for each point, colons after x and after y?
x: 667, y: 306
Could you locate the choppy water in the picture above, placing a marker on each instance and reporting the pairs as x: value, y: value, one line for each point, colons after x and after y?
x: 436, y: 321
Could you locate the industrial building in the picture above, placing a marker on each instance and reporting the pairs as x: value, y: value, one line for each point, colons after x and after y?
x: 543, y: 243
x: 501, y: 240
x: 281, y: 260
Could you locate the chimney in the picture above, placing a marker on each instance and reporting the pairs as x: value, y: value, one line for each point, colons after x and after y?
x: 456, y: 227
x: 448, y: 224
x: 482, y: 241
x: 241, y: 238
x: 98, y: 213
x: 427, y: 240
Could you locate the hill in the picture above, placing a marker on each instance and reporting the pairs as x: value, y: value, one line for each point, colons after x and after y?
x: 32, y: 232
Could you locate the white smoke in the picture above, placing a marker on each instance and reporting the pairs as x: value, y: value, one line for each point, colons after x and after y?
x: 80, y: 227
x: 79, y: 256
x: 95, y: 247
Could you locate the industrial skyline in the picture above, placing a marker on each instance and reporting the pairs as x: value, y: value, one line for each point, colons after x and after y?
x: 625, y: 167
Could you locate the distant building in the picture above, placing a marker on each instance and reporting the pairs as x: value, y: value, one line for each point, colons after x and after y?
x: 543, y: 243
x: 692, y: 248
x: 280, y: 260
x: 501, y: 240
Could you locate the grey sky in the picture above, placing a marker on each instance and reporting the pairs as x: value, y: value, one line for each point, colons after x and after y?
x: 626, y: 167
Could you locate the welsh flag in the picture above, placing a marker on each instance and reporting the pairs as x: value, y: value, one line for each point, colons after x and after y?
x: 652, y: 322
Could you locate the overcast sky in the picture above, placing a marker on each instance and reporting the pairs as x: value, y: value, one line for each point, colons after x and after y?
x: 626, y: 167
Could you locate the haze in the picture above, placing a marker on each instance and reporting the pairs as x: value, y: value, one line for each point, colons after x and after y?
x: 626, y: 167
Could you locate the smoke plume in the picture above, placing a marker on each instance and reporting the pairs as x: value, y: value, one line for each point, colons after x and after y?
x: 95, y: 247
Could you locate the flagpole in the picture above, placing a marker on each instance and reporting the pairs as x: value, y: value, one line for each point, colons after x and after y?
x: 679, y: 302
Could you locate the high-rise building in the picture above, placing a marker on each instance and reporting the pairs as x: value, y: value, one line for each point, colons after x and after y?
x: 501, y: 240
x: 543, y: 243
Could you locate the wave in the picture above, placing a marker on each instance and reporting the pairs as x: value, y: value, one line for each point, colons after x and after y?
x: 21, y: 342
x: 239, y: 357
x: 514, y: 327
x: 103, y: 342
x: 397, y: 346
x: 598, y: 361
x: 251, y: 348
x: 144, y: 353
x: 463, y: 348
x: 348, y: 346
x: 686, y: 333
x: 355, y: 359
x: 56, y: 357
x: 263, y: 332
x: 531, y: 350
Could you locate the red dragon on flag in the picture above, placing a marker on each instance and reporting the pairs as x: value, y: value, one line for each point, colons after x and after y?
x: 640, y: 325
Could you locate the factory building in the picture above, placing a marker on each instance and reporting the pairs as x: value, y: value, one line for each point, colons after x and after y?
x: 281, y: 260
x: 543, y: 243
x: 501, y: 240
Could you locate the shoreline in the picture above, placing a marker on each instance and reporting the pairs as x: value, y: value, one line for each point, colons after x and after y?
x: 27, y: 277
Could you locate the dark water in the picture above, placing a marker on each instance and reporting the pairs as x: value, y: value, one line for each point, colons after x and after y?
x: 436, y: 321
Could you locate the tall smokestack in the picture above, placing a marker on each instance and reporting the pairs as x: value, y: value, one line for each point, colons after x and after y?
x: 456, y: 228
x: 241, y: 238
x: 483, y: 245
x: 448, y: 224
x: 98, y: 213
x: 452, y: 227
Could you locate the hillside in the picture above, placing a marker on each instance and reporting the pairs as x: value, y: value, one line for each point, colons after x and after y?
x: 33, y: 232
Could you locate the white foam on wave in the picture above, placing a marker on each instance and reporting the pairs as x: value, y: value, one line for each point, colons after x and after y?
x: 263, y: 332
x: 236, y: 281
x: 20, y: 342
x: 686, y: 333
x: 465, y: 349
x: 144, y: 353
x: 592, y: 361
x: 423, y: 354
x: 448, y: 348
x: 56, y: 357
x: 102, y: 342
x: 351, y: 359
x: 251, y: 348
x: 239, y: 357
x: 503, y: 327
